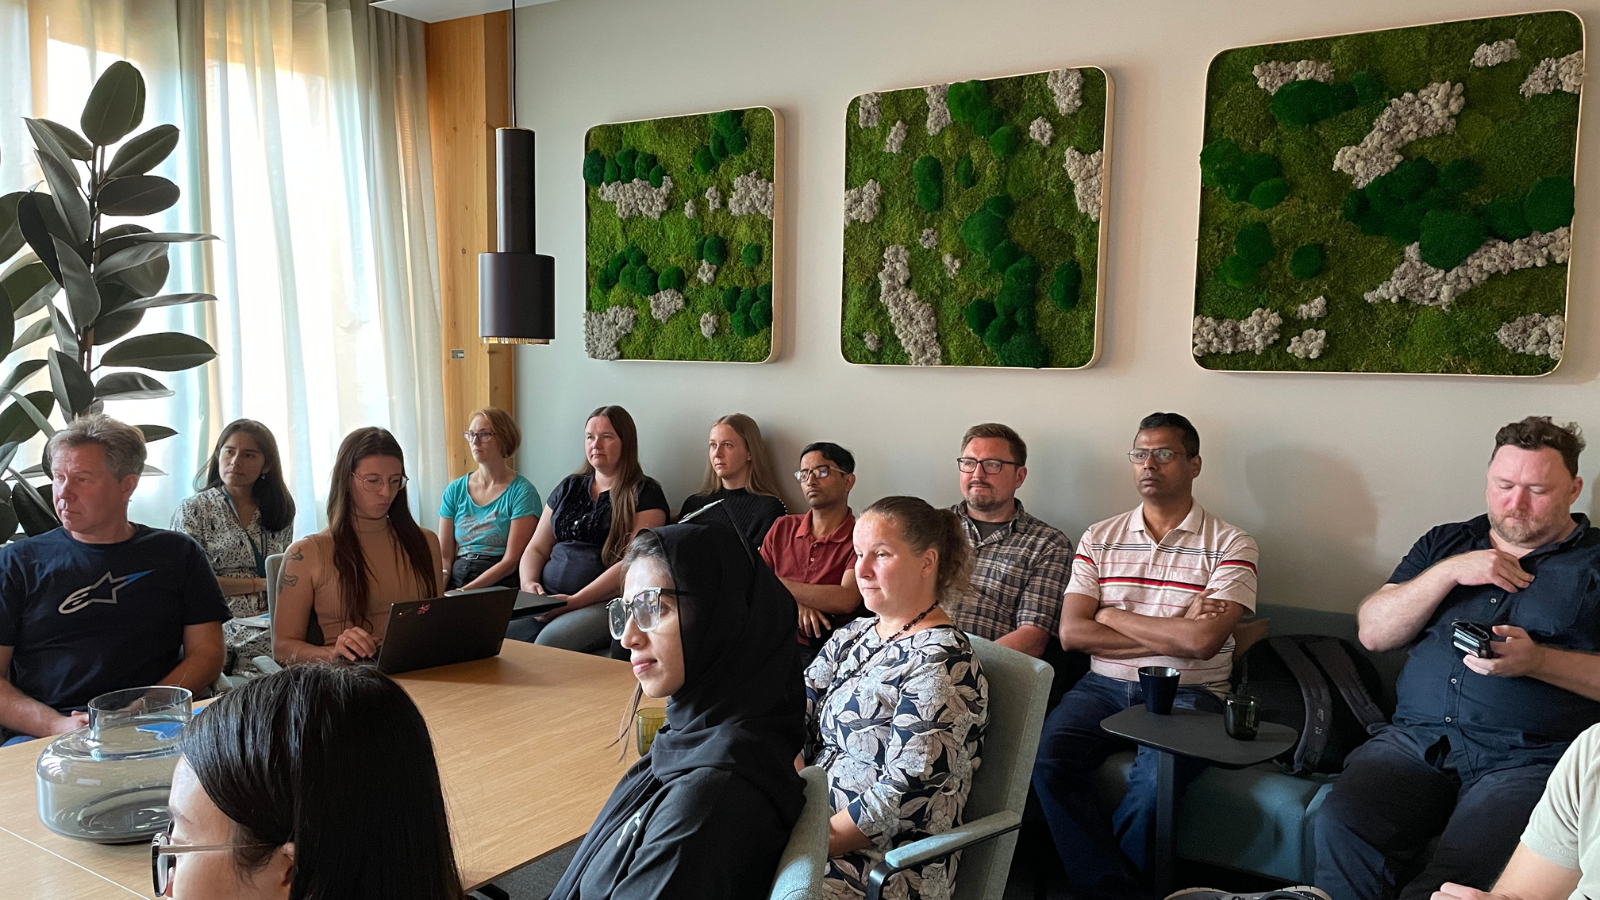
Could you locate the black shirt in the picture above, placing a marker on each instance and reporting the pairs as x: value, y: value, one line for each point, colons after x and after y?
x: 579, y: 518
x: 752, y: 513
x: 1493, y: 720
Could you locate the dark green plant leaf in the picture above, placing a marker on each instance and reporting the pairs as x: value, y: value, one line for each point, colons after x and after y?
x: 168, y: 300
x: 127, y: 258
x: 166, y: 351
x: 31, y: 471
x: 73, y: 389
x: 11, y: 239
x: 48, y: 148
x: 113, y: 295
x: 70, y: 203
x: 66, y: 338
x: 8, y: 452
x: 146, y: 280
x: 130, y: 386
x: 20, y: 374
x: 116, y: 326
x: 39, y: 221
x: 29, y: 289
x: 137, y: 195
x: 8, y: 521
x: 82, y: 295
x: 70, y: 141
x: 38, y: 330
x: 155, y: 433
x: 115, y: 106
x: 165, y: 237
x: 152, y: 470
x: 33, y: 507
x: 143, y: 152
x: 27, y: 416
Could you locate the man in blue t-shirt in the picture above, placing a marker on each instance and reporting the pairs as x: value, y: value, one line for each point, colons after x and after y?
x: 100, y: 604
x: 1474, y: 736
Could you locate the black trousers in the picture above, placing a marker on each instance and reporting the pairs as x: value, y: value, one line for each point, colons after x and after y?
x: 468, y: 567
x: 1396, y: 795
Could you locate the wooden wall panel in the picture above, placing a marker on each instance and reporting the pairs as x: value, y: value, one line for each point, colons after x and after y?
x: 468, y: 98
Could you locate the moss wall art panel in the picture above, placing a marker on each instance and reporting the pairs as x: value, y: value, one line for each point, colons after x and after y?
x: 1391, y: 201
x: 973, y: 214
x: 681, y: 237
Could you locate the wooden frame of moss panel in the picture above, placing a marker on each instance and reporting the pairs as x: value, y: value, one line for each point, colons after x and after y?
x: 651, y: 234
x: 985, y: 192
x: 1445, y: 255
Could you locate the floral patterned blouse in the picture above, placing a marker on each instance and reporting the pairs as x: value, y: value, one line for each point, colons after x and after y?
x: 208, y: 518
x: 901, y: 728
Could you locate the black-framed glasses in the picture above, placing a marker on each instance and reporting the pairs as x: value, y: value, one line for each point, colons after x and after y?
x: 372, y: 484
x: 990, y: 466
x: 644, y: 607
x: 475, y: 436
x: 1161, y: 455
x: 164, y: 857
x: 820, y: 473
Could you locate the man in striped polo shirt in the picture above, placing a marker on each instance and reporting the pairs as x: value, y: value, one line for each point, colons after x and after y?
x: 1162, y: 585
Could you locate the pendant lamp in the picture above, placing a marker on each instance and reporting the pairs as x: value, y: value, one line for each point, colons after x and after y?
x: 516, y: 286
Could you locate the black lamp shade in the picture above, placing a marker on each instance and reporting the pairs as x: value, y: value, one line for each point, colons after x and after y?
x: 516, y: 286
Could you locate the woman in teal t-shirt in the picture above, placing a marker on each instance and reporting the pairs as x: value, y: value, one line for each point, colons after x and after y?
x: 488, y: 516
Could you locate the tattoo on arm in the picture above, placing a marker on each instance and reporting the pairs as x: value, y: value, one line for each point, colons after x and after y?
x: 297, y: 556
x: 287, y: 580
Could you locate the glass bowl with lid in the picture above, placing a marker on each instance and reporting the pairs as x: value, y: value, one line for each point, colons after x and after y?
x: 109, y: 781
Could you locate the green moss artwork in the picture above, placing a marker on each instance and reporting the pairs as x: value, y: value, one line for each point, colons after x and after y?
x: 1392, y: 201
x: 973, y: 217
x: 681, y: 237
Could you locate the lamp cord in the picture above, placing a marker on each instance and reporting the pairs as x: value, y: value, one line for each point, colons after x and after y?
x: 513, y: 63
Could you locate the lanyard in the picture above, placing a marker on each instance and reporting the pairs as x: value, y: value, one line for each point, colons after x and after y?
x: 255, y: 549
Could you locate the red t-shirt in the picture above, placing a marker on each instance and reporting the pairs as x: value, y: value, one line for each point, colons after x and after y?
x: 792, y: 553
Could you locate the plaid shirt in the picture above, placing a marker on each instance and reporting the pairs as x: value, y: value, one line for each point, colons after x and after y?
x: 1019, y: 574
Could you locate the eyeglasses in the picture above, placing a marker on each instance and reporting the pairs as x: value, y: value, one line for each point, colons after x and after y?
x: 820, y: 473
x: 475, y: 436
x: 164, y: 857
x: 990, y: 466
x: 1161, y: 455
x: 372, y: 484
x: 645, y: 607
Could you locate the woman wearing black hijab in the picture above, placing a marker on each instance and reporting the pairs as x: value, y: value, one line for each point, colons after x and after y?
x: 707, y: 812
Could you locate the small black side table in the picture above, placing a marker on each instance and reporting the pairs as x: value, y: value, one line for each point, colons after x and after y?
x: 1196, y: 734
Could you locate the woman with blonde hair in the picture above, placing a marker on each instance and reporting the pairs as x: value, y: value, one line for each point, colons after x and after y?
x: 740, y: 473
x: 487, y: 518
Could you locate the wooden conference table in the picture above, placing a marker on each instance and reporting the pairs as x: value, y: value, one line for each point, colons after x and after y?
x: 525, y: 754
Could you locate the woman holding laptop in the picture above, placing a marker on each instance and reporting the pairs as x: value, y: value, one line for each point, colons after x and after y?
x: 342, y: 580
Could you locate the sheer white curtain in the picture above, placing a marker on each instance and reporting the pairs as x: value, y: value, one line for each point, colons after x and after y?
x: 305, y: 149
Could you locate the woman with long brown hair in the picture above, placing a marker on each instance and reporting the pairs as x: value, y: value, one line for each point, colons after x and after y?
x: 740, y: 473
x: 577, y: 549
x: 372, y: 554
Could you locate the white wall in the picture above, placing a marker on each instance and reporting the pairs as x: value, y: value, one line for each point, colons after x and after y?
x: 1335, y: 475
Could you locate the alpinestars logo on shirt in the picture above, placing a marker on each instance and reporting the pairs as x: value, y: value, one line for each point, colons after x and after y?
x: 102, y: 591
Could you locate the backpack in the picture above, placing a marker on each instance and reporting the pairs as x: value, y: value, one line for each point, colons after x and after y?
x: 1318, y: 685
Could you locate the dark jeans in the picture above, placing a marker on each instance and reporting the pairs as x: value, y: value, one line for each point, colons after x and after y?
x: 1103, y: 858
x: 1396, y: 794
x: 471, y: 565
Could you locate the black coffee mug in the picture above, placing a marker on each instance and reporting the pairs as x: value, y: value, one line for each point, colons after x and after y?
x: 1160, y: 684
x: 1241, y: 715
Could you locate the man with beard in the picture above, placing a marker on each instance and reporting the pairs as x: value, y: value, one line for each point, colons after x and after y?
x: 1020, y: 564
x: 813, y: 553
x: 1474, y: 737
x: 1160, y: 585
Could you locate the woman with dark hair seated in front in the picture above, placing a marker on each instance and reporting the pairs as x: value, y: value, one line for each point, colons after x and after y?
x: 576, y: 552
x: 314, y: 782
x: 371, y: 555
x: 242, y: 515
x: 706, y: 813
x: 740, y: 473
x: 898, y: 701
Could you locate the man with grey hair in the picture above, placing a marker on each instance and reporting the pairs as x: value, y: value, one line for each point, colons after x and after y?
x: 100, y: 604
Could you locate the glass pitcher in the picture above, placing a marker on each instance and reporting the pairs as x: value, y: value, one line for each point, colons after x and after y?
x: 108, y: 781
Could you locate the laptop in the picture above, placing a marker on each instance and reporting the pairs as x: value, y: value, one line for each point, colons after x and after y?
x: 442, y: 631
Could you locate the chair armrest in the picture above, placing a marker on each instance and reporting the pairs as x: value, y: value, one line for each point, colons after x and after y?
x: 939, y: 845
x: 266, y: 665
x: 805, y: 859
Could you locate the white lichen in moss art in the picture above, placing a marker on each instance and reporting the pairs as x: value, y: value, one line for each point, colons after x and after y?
x: 1085, y: 172
x: 1534, y: 335
x: 707, y: 272
x: 1490, y: 55
x: 602, y: 330
x: 688, y: 209
x: 1316, y: 309
x: 861, y: 203
x: 1409, y: 117
x: 1255, y: 334
x: 664, y: 304
x: 752, y: 196
x: 929, y: 239
x: 1555, y: 74
x: 637, y: 197
x: 1041, y: 131
x: 938, y: 108
x: 952, y: 266
x: 871, y: 339
x: 1277, y: 73
x: 1423, y: 284
x: 896, y: 138
x: 914, y: 322
x: 1066, y: 86
x: 869, y: 113
x: 713, y: 198
x: 708, y: 325
x: 1308, y: 344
